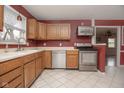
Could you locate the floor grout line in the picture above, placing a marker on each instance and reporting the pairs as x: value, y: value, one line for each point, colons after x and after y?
x: 71, y: 76
x: 113, y: 78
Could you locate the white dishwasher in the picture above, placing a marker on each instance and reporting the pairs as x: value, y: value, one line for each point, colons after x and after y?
x: 58, y: 59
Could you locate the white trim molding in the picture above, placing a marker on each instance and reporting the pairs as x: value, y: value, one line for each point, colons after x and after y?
x: 93, y: 25
x: 93, y: 22
x: 122, y: 37
x: 118, y: 40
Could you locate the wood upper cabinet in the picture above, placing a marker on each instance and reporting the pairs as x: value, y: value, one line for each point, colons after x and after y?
x: 64, y: 31
x: 48, y: 59
x: 52, y: 31
x: 32, y: 29
x: 29, y: 73
x: 58, y: 31
x: 72, y: 59
x: 41, y: 31
x: 1, y: 17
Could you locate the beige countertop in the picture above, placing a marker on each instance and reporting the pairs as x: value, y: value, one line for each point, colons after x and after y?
x: 15, y: 54
x: 12, y: 55
x: 100, y: 44
x: 56, y: 48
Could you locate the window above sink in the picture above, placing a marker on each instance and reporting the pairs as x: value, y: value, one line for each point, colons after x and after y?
x: 14, y: 27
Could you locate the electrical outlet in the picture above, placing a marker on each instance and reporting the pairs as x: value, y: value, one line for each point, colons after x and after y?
x: 27, y: 43
x: 44, y: 44
x: 60, y: 44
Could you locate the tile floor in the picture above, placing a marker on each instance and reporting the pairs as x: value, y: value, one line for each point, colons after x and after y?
x: 111, y: 61
x: 58, y: 78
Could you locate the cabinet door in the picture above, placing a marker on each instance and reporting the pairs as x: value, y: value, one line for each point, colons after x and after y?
x: 72, y: 61
x: 29, y: 73
x: 52, y: 31
x: 1, y: 17
x: 43, y: 60
x: 38, y: 66
x: 41, y: 28
x: 32, y: 25
x: 64, y: 31
x: 48, y: 59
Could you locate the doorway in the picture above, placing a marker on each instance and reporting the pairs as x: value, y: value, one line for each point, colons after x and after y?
x: 109, y: 37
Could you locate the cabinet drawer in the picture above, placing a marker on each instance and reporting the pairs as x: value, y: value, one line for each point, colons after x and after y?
x: 39, y: 54
x: 14, y: 83
x: 10, y: 65
x: 11, y: 75
x: 29, y: 58
x: 20, y: 86
x: 72, y: 52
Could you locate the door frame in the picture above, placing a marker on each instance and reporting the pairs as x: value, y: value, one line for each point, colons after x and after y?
x: 118, y: 40
x: 122, y: 32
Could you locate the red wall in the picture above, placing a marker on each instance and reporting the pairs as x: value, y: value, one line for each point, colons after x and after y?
x: 23, y: 11
x: 122, y: 58
x: 101, y: 57
x: 109, y: 22
x: 74, y: 38
x: 122, y: 47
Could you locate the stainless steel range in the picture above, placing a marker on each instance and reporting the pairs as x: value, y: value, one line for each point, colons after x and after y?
x: 87, y: 57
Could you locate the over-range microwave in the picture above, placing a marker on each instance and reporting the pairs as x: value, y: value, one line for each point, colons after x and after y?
x: 85, y: 31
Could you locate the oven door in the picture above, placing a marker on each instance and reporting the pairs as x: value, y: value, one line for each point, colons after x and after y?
x: 88, y: 58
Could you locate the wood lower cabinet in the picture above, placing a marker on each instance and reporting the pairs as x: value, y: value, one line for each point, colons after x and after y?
x: 12, y: 79
x: 32, y: 29
x: 41, y: 31
x: 48, y: 59
x: 1, y: 17
x: 11, y: 73
x: 72, y: 59
x: 43, y: 60
x: 21, y: 72
x: 29, y: 73
x: 38, y: 66
x: 10, y: 65
x: 16, y: 83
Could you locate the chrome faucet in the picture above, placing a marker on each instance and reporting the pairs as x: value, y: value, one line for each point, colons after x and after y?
x: 19, y: 44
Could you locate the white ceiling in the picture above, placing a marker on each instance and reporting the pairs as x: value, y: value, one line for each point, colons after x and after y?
x: 64, y: 12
